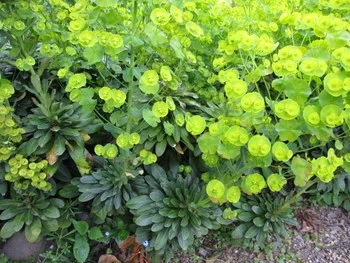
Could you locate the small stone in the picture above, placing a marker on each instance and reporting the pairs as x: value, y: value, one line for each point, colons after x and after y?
x: 18, y: 248
x: 202, y: 252
x: 299, y: 241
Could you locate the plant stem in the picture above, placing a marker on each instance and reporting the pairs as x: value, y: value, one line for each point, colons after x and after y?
x: 132, y: 65
x: 295, y: 197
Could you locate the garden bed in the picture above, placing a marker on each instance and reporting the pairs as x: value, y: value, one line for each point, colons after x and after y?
x: 145, y: 129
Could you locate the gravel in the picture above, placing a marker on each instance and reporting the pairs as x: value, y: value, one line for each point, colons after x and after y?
x: 323, y: 237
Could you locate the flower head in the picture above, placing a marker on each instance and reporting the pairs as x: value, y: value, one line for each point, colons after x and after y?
x: 276, y: 182
x: 215, y: 189
x: 259, y: 145
x: 253, y: 183
x: 160, y: 16
x: 195, y: 125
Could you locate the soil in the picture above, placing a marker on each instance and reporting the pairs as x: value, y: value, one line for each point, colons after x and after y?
x: 323, y: 236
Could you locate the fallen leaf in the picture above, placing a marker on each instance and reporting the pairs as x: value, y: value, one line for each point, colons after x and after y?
x: 51, y: 157
x: 108, y: 259
x: 179, y: 149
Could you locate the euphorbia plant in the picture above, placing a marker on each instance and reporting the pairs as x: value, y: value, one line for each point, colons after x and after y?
x: 257, y: 90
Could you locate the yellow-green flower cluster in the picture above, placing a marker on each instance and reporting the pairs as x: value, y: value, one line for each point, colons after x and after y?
x: 342, y: 55
x: 332, y: 115
x: 113, y: 98
x: 88, y: 38
x: 259, y: 145
x: 25, y: 172
x: 6, y: 151
x: 128, y: 140
x: 179, y: 119
x: 281, y: 151
x: 108, y: 151
x: 236, y: 135
x: 195, y: 124
x: 76, y: 81
x: 253, y: 183
x: 6, y: 90
x: 110, y: 40
x: 337, y: 84
x: 187, y: 169
x: 229, y: 214
x: 218, y: 193
x: 160, y: 16
x: 25, y: 64
x: 252, y: 102
x: 77, y: 25
x: 321, y: 24
x: 210, y: 159
x: 49, y: 50
x: 165, y: 73
x: 19, y: 25
x: 242, y: 40
x: 149, y: 82
x: 266, y: 45
x: 224, y: 140
x: 235, y: 88
x: 229, y: 75
x: 311, y: 115
x: 287, y: 109
x: 287, y: 60
x: 313, y: 67
x: 147, y: 157
x: 10, y: 132
x: 160, y: 109
x: 275, y: 182
x: 324, y: 167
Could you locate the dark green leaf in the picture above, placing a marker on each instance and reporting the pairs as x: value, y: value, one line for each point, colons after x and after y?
x: 51, y: 225
x: 32, y: 232
x: 81, y: 248
x: 137, y: 202
x: 246, y: 216
x: 239, y: 231
x: 81, y: 226
x: 259, y: 221
x: 143, y: 220
x: 95, y: 233
x: 252, y: 232
x: 10, y: 213
x: 69, y: 191
x: 51, y: 212
x: 161, y: 240
x: 160, y: 147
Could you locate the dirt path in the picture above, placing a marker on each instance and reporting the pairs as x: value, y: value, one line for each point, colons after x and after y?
x: 323, y: 237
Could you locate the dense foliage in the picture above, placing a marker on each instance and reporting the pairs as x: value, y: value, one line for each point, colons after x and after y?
x: 180, y: 115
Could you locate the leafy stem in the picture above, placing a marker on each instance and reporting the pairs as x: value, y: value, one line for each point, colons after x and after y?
x: 132, y: 65
x: 294, y: 198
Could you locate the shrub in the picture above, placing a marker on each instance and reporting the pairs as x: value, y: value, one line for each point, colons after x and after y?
x: 254, y: 96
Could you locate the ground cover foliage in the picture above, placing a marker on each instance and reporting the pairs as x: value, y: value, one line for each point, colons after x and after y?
x: 167, y: 119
